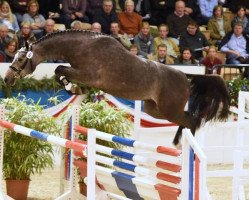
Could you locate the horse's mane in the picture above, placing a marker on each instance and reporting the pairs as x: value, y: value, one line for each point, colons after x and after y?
x: 85, y: 32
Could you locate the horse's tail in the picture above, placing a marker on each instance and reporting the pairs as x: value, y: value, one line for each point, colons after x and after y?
x: 209, y: 100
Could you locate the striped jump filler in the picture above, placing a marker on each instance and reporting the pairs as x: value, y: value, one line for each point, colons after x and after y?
x: 146, y: 173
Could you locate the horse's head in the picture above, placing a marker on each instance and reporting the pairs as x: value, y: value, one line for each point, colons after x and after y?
x: 21, y: 65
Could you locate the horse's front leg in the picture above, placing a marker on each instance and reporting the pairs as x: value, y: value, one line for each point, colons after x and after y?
x: 63, y: 76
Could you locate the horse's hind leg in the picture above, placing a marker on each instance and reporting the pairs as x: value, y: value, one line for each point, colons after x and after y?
x: 178, y: 135
x: 62, y: 76
x: 192, y: 126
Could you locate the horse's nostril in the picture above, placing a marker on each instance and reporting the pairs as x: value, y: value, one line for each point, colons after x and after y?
x: 5, y: 80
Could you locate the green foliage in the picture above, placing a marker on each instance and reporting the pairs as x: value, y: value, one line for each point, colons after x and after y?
x: 24, y: 155
x: 102, y: 117
x: 234, y: 86
x: 31, y: 84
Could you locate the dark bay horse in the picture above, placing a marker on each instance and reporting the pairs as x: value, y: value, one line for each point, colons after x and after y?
x: 100, y: 61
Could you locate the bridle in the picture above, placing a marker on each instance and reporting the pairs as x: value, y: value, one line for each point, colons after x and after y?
x: 17, y: 71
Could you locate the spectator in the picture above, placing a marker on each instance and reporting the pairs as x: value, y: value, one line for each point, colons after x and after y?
x: 106, y: 16
x: 4, y: 37
x: 211, y: 60
x: 206, y: 8
x: 50, y: 9
x: 186, y: 58
x: 172, y: 48
x: 7, y: 18
x: 134, y: 49
x: 241, y: 17
x: 93, y: 6
x: 159, y: 11
x: 233, y: 5
x: 195, y: 40
x: 236, y: 45
x: 161, y: 55
x: 145, y: 41
x: 36, y: 20
x: 130, y: 22
x: 142, y: 7
x: 49, y: 26
x: 192, y: 9
x: 122, y: 38
x: 19, y: 8
x: 10, y: 50
x: 178, y: 21
x: 96, y: 27
x: 25, y: 35
x: 2, y: 57
x: 76, y: 25
x: 219, y: 25
x: 73, y: 10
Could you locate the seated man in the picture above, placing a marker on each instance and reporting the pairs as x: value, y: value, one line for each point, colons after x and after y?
x: 106, y: 16
x: 172, y: 48
x: 96, y: 27
x: 178, y: 21
x: 49, y: 26
x: 162, y: 56
x: 129, y: 21
x: 236, y: 45
x: 194, y: 39
x: 73, y: 10
x: 122, y: 38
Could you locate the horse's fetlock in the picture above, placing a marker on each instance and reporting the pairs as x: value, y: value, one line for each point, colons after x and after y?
x: 68, y: 86
x: 64, y: 80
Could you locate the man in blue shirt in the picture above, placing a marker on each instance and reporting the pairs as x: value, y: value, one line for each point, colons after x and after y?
x: 236, y: 45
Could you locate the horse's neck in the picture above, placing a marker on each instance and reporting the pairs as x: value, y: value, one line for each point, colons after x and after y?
x: 56, y: 48
x: 47, y: 51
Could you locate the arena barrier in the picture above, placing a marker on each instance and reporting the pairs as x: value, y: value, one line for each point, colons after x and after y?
x: 155, y: 173
x: 240, y: 176
x: 233, y: 145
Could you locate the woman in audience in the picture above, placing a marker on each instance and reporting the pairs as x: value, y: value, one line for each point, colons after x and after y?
x: 211, y: 60
x: 7, y: 18
x: 10, y: 50
x: 36, y: 20
x: 145, y: 41
x: 25, y: 35
x: 219, y: 25
x: 186, y: 58
x: 241, y: 17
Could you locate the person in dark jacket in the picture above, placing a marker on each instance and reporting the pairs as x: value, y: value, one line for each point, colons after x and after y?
x: 93, y: 6
x: 233, y: 5
x: 195, y: 40
x: 50, y: 9
x: 18, y: 7
x: 106, y: 16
